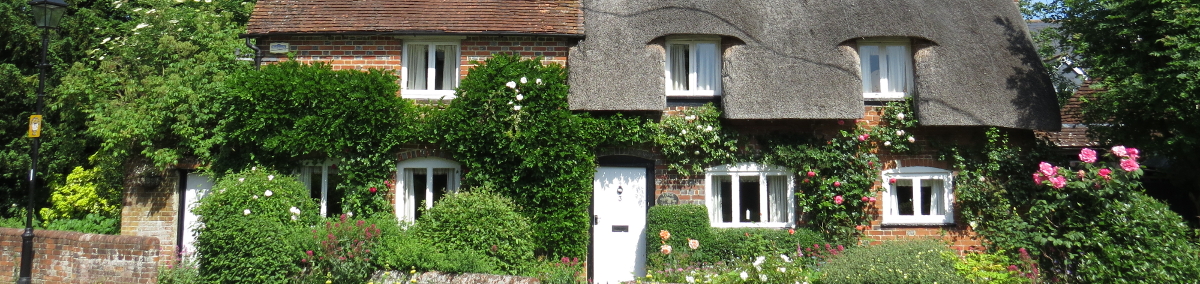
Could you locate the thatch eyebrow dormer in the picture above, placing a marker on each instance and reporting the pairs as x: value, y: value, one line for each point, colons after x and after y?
x: 973, y: 61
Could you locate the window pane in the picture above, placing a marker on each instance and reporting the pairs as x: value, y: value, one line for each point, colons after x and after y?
x: 904, y: 197
x: 314, y: 182
x: 721, y: 186
x: 777, y: 196
x: 416, y: 65
x: 897, y: 65
x: 679, y: 67
x: 418, y: 186
x: 708, y: 67
x: 932, y: 193
x: 445, y: 64
x: 336, y: 192
x: 748, y: 193
x: 869, y: 55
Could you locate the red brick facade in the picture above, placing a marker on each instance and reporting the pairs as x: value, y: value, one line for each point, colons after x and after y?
x: 691, y: 189
x: 385, y: 52
x: 72, y: 257
x: 153, y: 212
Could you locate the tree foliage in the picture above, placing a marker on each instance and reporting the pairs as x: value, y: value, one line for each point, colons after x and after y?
x: 1146, y: 55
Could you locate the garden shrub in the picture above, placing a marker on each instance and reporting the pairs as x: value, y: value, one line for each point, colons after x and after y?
x: 478, y: 223
x: 407, y: 251
x: 994, y: 268
x: 683, y: 222
x: 734, y: 243
x: 343, y: 251
x: 255, y: 228
x: 83, y: 194
x: 893, y: 262
x: 92, y: 223
x: 1087, y: 223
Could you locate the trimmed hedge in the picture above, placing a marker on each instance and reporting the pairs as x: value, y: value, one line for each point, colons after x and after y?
x: 478, y: 223
x: 893, y: 262
x: 716, y: 244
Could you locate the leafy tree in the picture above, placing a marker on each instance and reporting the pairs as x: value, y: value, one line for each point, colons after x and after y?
x: 1146, y: 54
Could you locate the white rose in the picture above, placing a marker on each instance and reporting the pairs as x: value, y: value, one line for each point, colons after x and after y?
x: 709, y: 128
x: 350, y: 214
x: 539, y: 80
x: 523, y: 80
x: 682, y: 132
x: 246, y: 212
x: 294, y: 210
x: 294, y: 218
x: 744, y: 275
x: 900, y: 132
x: 255, y: 196
x: 900, y: 116
x: 268, y: 193
x: 241, y: 179
x: 911, y: 139
x: 517, y: 107
x: 511, y: 85
x: 887, y: 143
x: 270, y: 177
x: 520, y: 97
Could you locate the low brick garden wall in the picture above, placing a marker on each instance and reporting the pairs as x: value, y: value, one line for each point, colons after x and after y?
x: 72, y: 257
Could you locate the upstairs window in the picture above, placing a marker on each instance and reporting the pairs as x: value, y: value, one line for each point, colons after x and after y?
x: 750, y: 195
x: 886, y: 68
x: 430, y: 70
x: 918, y: 195
x: 693, y: 66
x: 421, y: 182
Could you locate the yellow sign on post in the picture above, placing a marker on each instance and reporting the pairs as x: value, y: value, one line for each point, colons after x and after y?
x: 35, y: 126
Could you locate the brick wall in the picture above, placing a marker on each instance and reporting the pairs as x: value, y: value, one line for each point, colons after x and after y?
x: 153, y: 212
x: 72, y: 257
x: 385, y: 51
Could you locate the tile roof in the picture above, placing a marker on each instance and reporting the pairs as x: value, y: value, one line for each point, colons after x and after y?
x: 1074, y: 131
x: 554, y: 17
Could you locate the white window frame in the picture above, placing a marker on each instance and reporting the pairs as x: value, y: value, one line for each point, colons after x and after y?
x: 405, y: 205
x: 305, y: 177
x: 429, y: 92
x: 693, y: 72
x: 736, y: 171
x: 891, y: 208
x: 882, y: 45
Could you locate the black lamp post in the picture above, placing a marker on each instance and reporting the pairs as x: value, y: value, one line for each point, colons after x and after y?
x: 46, y: 15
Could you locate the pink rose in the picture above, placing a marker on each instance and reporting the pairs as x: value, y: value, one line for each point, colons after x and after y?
x: 1047, y: 169
x: 372, y: 190
x: 1058, y: 181
x: 694, y: 244
x: 892, y: 180
x: 1129, y: 165
x: 872, y: 199
x: 1087, y: 155
x: 1133, y: 153
x: 1105, y: 172
x: 837, y: 184
x: 1038, y: 178
x: 665, y: 249
x: 866, y: 199
x: 811, y: 174
x: 837, y: 199
x: 1120, y: 151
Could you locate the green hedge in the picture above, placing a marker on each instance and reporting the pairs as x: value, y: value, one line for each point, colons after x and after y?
x: 690, y: 221
x: 893, y: 262
x: 481, y: 224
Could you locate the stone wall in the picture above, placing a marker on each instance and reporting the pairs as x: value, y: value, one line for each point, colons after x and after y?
x: 73, y: 257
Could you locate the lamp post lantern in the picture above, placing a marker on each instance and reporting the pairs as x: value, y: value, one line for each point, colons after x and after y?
x: 46, y: 15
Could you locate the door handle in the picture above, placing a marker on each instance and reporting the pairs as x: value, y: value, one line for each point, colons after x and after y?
x: 595, y: 220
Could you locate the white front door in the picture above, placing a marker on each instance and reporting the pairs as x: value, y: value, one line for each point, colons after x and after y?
x: 196, y: 188
x: 619, y: 233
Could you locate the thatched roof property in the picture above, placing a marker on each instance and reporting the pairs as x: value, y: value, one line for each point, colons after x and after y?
x: 796, y: 59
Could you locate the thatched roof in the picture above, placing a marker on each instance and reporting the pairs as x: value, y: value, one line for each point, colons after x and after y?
x: 798, y: 60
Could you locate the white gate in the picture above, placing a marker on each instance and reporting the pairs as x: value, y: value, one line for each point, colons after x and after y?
x: 619, y: 233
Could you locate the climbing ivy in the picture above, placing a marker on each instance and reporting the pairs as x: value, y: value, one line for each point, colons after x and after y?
x: 511, y: 127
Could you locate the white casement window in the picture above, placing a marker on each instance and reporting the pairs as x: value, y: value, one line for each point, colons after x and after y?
x: 322, y: 180
x: 693, y: 66
x: 430, y: 69
x: 750, y: 195
x: 918, y: 195
x: 422, y: 181
x: 886, y: 68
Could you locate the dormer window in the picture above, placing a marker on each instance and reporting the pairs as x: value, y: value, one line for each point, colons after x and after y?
x: 693, y: 66
x: 886, y: 68
x: 430, y: 70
